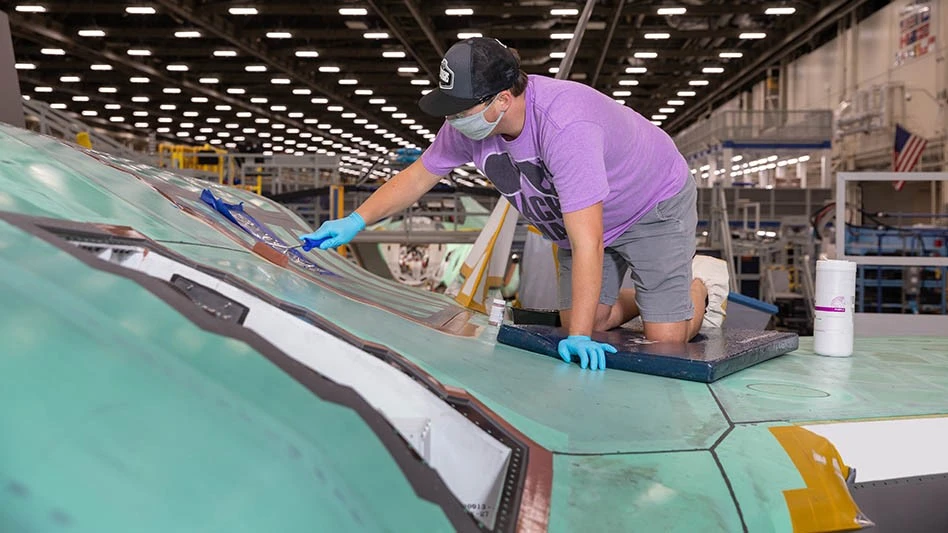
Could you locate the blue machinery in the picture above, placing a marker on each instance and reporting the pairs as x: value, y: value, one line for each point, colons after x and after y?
x: 902, y: 269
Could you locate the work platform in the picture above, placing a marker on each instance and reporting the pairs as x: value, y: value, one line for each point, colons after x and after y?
x: 766, y: 147
x: 152, y: 355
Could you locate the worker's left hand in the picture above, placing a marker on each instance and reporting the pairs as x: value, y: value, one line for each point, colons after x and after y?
x: 588, y: 350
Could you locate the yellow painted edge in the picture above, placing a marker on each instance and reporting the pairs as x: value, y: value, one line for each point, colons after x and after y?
x: 489, y: 249
x: 825, y: 505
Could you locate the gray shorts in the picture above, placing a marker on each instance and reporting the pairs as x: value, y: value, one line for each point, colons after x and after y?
x: 658, y: 249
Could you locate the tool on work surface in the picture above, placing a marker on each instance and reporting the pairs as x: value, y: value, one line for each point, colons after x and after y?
x: 279, y: 255
x: 308, y: 244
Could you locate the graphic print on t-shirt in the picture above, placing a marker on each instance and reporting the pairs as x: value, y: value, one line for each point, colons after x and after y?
x: 528, y: 186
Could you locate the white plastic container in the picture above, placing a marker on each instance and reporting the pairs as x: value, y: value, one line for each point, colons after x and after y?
x: 834, y: 306
x: 497, y: 312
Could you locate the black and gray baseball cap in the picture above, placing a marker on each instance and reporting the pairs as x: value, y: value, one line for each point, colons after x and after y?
x: 472, y: 70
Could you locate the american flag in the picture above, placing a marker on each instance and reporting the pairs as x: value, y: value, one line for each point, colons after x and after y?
x: 907, y: 153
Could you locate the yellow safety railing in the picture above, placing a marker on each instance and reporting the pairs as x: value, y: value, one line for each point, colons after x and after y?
x: 193, y: 158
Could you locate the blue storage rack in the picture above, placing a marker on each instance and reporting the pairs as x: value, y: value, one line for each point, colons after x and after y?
x: 879, y: 289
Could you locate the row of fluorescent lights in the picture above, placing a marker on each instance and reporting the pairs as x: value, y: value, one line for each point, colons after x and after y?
x: 184, y: 68
x: 262, y: 68
x: 359, y: 11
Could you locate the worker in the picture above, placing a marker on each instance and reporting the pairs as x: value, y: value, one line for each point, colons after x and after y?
x: 595, y: 177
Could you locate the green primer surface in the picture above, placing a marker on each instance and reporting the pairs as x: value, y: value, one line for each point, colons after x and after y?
x: 119, y: 414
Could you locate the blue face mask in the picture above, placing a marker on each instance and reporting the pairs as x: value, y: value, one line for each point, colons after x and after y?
x: 476, y: 127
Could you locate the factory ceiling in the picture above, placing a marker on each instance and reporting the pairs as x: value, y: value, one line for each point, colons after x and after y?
x: 347, y: 75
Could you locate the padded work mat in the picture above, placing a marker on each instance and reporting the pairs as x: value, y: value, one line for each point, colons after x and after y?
x: 708, y: 357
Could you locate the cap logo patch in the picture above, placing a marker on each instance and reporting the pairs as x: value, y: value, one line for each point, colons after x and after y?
x: 446, y: 76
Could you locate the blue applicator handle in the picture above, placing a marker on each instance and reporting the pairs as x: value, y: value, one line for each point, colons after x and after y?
x: 309, y: 244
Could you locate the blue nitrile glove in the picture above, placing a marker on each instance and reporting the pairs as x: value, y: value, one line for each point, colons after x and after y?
x: 335, y: 233
x: 588, y: 350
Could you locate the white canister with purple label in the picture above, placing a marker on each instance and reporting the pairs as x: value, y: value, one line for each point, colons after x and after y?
x: 834, y: 306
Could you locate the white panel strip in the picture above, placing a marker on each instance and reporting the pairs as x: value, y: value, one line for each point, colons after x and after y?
x: 889, y: 449
x: 472, y: 463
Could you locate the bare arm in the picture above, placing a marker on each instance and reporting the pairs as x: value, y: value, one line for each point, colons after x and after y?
x: 584, y: 228
x: 398, y: 193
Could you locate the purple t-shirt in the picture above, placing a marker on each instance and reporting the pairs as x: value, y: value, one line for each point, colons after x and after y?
x: 578, y: 147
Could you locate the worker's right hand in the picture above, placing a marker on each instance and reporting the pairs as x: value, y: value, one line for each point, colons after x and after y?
x: 588, y: 350
x: 335, y: 233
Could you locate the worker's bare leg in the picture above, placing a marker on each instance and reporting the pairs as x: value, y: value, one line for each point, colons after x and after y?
x: 610, y: 316
x: 625, y: 309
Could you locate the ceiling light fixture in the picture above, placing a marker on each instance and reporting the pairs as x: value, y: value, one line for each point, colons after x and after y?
x: 140, y: 10
x: 279, y: 35
x: 353, y: 11
x: 307, y: 53
x: 225, y: 53
x: 243, y: 11
x: 752, y: 35
x: 187, y: 34
x: 469, y: 35
x: 672, y: 10
x: 375, y: 35
x: 91, y: 33
x: 393, y: 54
x: 780, y: 10
x: 459, y: 11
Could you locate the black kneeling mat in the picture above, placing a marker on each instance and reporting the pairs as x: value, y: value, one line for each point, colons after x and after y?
x: 708, y: 357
